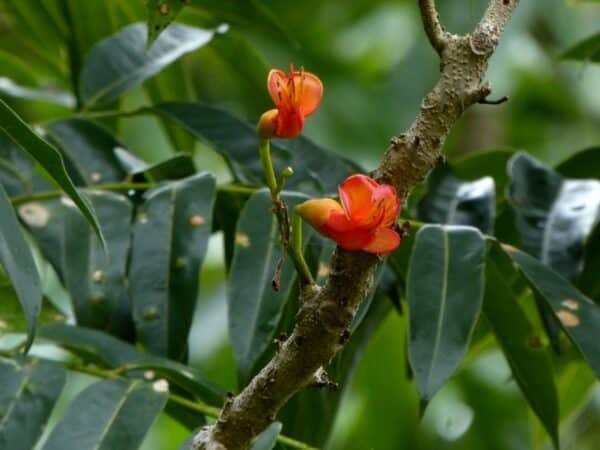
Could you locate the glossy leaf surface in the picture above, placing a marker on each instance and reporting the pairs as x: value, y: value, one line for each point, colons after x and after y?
x: 169, y: 243
x: 97, y: 280
x: 528, y: 359
x: 17, y: 260
x: 444, y: 291
x: 120, y: 62
x: 29, y: 389
x: 554, y: 215
x: 578, y: 315
x: 47, y: 156
x: 114, y: 417
x: 452, y: 201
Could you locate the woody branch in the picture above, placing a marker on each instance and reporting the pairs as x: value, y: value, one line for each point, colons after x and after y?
x: 324, y: 319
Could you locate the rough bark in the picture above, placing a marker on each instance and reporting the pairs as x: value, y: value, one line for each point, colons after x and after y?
x: 323, y: 323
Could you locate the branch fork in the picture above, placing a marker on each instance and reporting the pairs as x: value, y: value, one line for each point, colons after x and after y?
x: 326, y: 312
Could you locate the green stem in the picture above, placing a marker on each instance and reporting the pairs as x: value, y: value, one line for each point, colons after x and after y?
x: 295, y: 249
x: 281, y: 213
x: 264, y: 151
x: 49, y: 195
x: 194, y: 405
x: 127, y: 186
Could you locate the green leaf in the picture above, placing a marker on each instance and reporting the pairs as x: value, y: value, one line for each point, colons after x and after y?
x: 587, y: 50
x: 17, y: 260
x: 228, y: 206
x: 170, y: 238
x: 160, y: 14
x: 578, y: 315
x: 452, y: 201
x: 117, y: 415
x: 90, y: 150
x: 492, y: 163
x: 583, y: 164
x: 45, y: 222
x: 316, y: 170
x: 444, y: 292
x: 173, y: 168
x: 17, y: 170
x: 528, y: 359
x: 267, y: 439
x: 588, y: 281
x: 48, y: 157
x: 120, y: 62
x: 254, y: 307
x: 106, y: 350
x: 29, y: 389
x: 48, y: 95
x: 12, y: 319
x: 96, y: 280
x: 554, y: 215
x: 251, y: 13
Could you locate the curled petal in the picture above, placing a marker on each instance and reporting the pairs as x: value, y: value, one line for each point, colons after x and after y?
x: 278, y: 88
x: 385, y: 241
x: 356, y: 195
x: 309, y: 92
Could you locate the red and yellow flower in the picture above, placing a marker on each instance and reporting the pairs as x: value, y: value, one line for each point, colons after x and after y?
x: 364, y: 220
x: 296, y: 95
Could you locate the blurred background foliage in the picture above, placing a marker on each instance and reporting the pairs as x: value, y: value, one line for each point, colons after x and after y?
x: 376, y: 66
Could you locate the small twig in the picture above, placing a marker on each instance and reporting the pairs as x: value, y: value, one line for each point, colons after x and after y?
x: 485, y: 101
x: 438, y: 37
x: 280, y: 211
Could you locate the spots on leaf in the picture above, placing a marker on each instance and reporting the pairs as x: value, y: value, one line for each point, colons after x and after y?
x: 570, y: 304
x: 568, y: 319
x: 242, y: 240
x: 35, y: 214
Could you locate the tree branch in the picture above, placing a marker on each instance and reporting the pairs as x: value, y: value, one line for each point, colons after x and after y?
x: 323, y: 323
x: 431, y: 23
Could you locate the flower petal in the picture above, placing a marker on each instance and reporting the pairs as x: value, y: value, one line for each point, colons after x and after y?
x: 356, y: 195
x: 290, y: 123
x: 354, y: 240
x: 385, y: 241
x: 338, y: 222
x: 278, y: 88
x: 386, y: 198
x: 308, y: 90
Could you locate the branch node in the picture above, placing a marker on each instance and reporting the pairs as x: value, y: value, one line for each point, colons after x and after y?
x: 280, y: 340
x: 345, y: 336
x: 321, y: 380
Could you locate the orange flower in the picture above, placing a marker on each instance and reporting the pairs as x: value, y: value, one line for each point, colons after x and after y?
x: 363, y: 220
x: 296, y: 95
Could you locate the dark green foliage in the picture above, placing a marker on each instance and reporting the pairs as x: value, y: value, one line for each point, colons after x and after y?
x: 29, y: 388
x: 444, y: 292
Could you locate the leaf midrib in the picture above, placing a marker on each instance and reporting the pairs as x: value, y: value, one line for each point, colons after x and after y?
x: 115, y: 413
x: 443, y: 298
